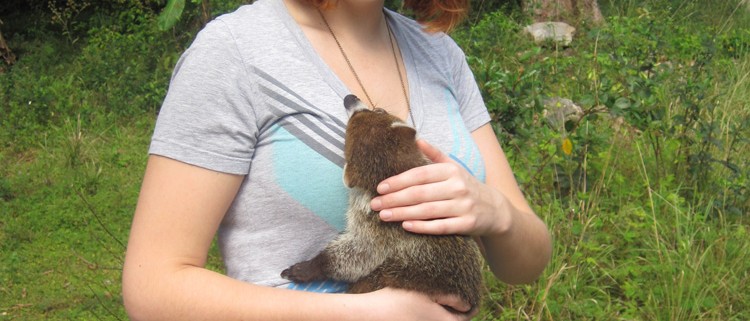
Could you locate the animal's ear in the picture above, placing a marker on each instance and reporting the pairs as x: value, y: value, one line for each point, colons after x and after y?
x: 404, y: 131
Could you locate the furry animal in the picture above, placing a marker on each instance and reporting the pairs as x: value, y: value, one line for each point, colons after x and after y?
x: 371, y: 254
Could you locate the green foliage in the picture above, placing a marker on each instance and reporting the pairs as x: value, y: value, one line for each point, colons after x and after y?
x: 122, y: 68
x: 508, y: 75
x: 646, y: 208
x: 121, y: 73
x: 66, y: 15
x: 669, y: 84
x: 652, y: 72
x: 171, y: 14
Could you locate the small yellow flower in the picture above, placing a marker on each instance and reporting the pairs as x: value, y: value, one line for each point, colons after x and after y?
x: 567, y: 146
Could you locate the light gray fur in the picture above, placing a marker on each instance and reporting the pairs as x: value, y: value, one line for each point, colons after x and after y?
x: 357, y: 256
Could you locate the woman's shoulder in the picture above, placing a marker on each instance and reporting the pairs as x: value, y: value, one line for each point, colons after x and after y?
x: 250, y: 26
x: 438, y: 46
x: 255, y: 14
x: 414, y: 29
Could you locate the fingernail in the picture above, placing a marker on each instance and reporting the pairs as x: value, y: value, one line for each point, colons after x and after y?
x: 383, y: 188
x: 384, y: 215
x: 407, y: 225
x: 375, y: 204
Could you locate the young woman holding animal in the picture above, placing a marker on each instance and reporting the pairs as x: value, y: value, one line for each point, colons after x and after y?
x: 248, y: 145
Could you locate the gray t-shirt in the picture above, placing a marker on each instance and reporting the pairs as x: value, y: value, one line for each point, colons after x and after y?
x: 251, y: 96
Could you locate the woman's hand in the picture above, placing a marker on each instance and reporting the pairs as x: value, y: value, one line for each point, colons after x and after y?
x: 441, y: 198
x: 396, y: 304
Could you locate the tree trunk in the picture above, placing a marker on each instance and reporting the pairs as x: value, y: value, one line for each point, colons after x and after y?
x: 5, y: 53
x: 205, y: 12
x: 570, y: 11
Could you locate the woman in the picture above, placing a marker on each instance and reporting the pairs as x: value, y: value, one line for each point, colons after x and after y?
x: 248, y: 143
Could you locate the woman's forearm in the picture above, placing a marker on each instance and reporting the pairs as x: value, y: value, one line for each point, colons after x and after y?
x: 520, y: 253
x: 195, y: 293
x: 517, y: 243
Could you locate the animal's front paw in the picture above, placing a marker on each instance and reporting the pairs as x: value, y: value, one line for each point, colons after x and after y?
x: 303, y: 272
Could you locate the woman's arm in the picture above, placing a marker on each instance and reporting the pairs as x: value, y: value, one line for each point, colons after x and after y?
x: 443, y: 198
x: 178, y: 212
x: 518, y: 247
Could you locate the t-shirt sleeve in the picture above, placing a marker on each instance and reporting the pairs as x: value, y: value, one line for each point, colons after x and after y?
x: 207, y: 118
x: 471, y: 105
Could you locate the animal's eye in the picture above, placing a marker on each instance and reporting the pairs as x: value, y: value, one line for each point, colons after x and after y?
x: 379, y: 110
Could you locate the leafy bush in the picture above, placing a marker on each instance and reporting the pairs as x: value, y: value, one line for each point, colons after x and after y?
x: 650, y: 72
x: 121, y: 68
x: 127, y: 69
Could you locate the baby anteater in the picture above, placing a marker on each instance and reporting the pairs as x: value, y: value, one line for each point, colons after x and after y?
x: 371, y: 254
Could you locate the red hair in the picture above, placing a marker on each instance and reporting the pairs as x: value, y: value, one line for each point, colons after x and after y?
x: 435, y: 15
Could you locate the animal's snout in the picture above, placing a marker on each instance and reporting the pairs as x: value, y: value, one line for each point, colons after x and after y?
x: 353, y: 104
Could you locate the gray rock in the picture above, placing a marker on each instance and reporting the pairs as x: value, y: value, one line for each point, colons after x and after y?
x: 559, y: 110
x: 558, y: 32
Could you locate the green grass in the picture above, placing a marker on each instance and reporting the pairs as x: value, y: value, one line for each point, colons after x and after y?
x: 65, y: 226
x: 648, y: 211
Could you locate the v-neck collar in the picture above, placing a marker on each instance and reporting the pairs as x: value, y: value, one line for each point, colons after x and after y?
x: 338, y: 86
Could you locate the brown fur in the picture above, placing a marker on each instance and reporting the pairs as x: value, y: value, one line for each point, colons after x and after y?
x: 372, y: 254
